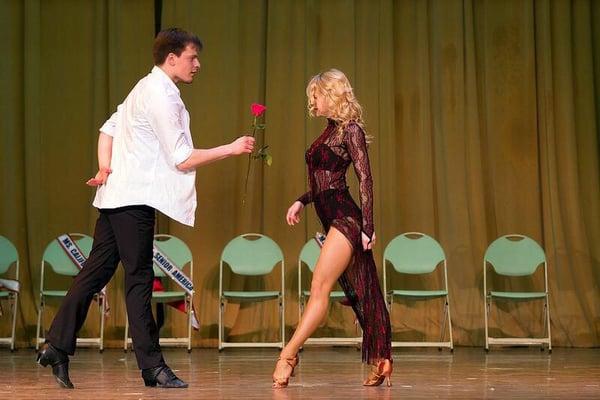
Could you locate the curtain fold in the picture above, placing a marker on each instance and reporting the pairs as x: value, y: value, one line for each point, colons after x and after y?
x: 485, y: 117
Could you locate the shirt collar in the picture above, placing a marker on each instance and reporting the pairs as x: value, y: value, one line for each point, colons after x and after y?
x: 165, y: 78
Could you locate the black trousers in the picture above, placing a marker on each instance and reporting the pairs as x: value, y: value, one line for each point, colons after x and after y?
x: 122, y: 234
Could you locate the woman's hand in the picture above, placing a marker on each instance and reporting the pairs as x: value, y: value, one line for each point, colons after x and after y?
x: 368, y: 243
x: 100, y: 178
x: 293, y: 213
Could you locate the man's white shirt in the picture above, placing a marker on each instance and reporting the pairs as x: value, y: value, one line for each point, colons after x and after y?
x: 151, y: 135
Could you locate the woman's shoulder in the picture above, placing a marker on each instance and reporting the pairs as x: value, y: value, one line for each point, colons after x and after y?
x: 353, y: 128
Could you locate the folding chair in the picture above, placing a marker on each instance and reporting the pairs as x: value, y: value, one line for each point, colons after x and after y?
x: 514, y: 256
x: 8, y: 257
x: 251, y: 254
x: 179, y: 253
x: 61, y: 264
x: 417, y: 253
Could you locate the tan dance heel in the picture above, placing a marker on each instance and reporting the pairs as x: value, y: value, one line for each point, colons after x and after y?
x: 382, y: 371
x: 292, y: 363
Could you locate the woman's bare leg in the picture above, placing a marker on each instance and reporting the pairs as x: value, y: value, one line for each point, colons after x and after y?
x: 333, y: 261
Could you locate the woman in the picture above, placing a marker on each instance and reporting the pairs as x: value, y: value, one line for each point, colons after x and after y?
x: 346, y: 255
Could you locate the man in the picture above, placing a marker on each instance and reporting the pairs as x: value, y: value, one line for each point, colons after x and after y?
x: 146, y: 162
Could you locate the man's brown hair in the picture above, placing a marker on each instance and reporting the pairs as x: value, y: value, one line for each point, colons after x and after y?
x: 173, y: 40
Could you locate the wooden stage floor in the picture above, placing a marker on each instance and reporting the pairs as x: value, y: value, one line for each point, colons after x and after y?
x: 323, y: 373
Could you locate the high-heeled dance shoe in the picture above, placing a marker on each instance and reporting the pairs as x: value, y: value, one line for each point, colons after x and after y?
x: 292, y: 363
x: 382, y: 371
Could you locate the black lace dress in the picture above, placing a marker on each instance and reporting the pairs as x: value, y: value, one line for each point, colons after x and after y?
x: 328, y: 159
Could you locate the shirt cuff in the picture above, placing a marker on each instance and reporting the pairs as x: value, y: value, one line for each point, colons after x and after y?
x: 108, y: 128
x: 182, y: 154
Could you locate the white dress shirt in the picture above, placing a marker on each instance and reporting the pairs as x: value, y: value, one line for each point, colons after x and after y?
x: 151, y: 135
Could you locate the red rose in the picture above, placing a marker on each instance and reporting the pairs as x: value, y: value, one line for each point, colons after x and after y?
x: 262, y: 154
x: 257, y: 109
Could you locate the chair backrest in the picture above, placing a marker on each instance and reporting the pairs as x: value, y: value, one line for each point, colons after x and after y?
x: 414, y: 253
x: 176, y: 250
x: 251, y: 254
x: 309, y: 254
x: 514, y: 255
x: 59, y: 261
x: 8, y: 255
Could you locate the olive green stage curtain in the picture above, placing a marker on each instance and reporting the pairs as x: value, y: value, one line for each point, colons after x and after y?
x: 485, y: 117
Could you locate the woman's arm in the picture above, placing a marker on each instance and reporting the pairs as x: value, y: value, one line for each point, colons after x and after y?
x: 357, y: 149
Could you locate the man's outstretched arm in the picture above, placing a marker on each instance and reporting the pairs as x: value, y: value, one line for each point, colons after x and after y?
x: 200, y: 157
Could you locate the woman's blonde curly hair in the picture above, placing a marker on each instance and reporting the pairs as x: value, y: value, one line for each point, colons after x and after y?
x: 343, y: 106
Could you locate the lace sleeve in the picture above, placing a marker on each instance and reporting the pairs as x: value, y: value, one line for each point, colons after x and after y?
x: 357, y: 148
x: 306, y: 198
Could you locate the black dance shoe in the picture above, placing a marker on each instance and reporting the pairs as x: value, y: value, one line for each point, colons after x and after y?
x: 59, y: 361
x: 162, y: 376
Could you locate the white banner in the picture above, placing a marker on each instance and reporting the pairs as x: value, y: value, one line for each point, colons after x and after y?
x: 172, y: 271
x: 11, y: 285
x: 76, y: 256
x: 73, y: 251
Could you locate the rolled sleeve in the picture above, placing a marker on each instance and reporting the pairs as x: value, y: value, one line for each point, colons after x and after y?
x: 110, y: 126
x: 166, y: 116
x: 182, y: 152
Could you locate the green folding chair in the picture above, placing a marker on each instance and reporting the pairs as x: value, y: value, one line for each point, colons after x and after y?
x: 8, y: 257
x: 309, y: 256
x: 61, y: 264
x: 179, y: 253
x: 416, y: 253
x: 514, y: 256
x: 251, y: 254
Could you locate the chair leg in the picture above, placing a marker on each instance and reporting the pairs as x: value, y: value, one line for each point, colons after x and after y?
x: 39, y: 323
x: 190, y: 315
x: 391, y: 309
x: 102, y: 309
x: 282, y: 319
x: 443, y: 324
x: 14, y: 321
x: 301, y: 308
x: 390, y: 302
x: 548, y: 324
x: 486, y: 307
x: 125, y: 346
x: 450, y: 325
x: 221, y: 328
x: 300, y: 312
x: 358, y: 330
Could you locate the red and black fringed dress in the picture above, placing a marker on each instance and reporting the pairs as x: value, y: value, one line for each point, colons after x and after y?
x: 328, y: 158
